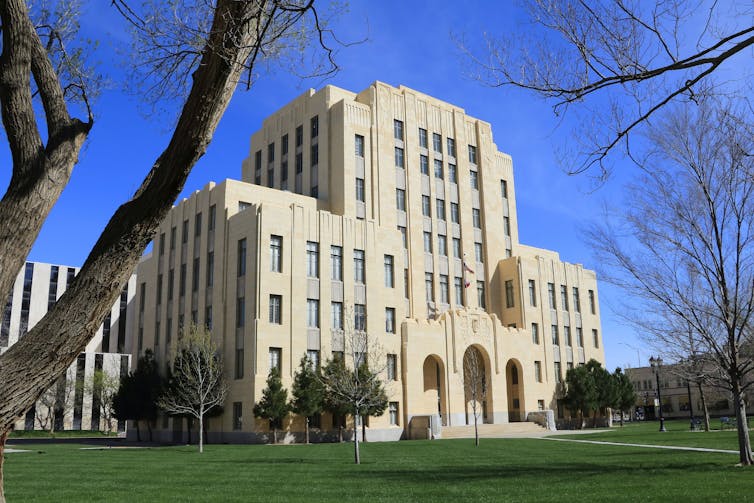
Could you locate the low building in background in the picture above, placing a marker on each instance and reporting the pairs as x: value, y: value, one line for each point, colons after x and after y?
x: 73, y: 403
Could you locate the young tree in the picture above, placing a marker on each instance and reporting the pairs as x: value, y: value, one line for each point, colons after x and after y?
x: 55, y: 403
x: 204, y: 52
x: 684, y: 250
x: 474, y: 385
x: 625, y: 396
x: 105, y: 387
x: 138, y: 393
x: 197, y: 381
x: 307, y: 392
x: 274, y: 403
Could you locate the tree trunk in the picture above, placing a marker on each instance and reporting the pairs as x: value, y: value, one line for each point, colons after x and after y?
x: 621, y: 418
x: 138, y: 431
x: 476, y: 427
x: 201, y: 430
x: 3, y: 438
x: 744, y: 446
x: 704, y: 405
x: 149, y: 429
x: 356, y: 456
x: 306, y: 429
x: 340, y: 433
x: 274, y: 435
x: 363, y: 429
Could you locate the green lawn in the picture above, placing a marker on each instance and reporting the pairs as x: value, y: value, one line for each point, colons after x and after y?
x: 449, y: 470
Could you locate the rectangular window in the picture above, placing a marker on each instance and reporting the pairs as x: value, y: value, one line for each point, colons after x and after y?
x: 240, y: 312
x: 211, y: 219
x: 359, y: 317
x: 312, y: 259
x: 312, y: 356
x: 558, y: 374
x: 507, y: 226
x: 504, y: 188
x: 444, y: 289
x: 315, y: 126
x: 299, y: 164
x: 195, y: 276
x: 476, y: 218
x: 198, y: 224
x: 576, y: 300
x: 241, y: 266
x: 336, y: 315
x: 405, y: 283
x: 312, y: 313
x: 472, y: 154
x: 532, y: 293
x: 243, y: 205
x: 567, y: 335
x: 275, y: 357
x: 185, y: 232
x: 237, y: 416
x: 479, y: 253
x: 538, y: 371
x: 428, y: 242
x: 438, y: 169
x: 579, y: 337
x: 393, y: 413
x: 239, y: 363
x: 171, y: 280
x: 429, y: 287
x: 284, y: 145
x: 400, y: 199
x: 437, y: 142
x: 359, y: 145
x: 390, y: 320
x: 172, y: 237
x: 480, y: 294
x: 422, y: 138
x: 162, y: 244
x: 399, y: 158
x: 509, y: 293
x: 276, y: 306
x: 474, y: 178
x: 389, y: 276
x: 314, y: 155
x: 359, y: 274
x: 208, y: 317
x: 336, y: 263
x: 424, y: 164
x: 182, y: 281
x: 454, y: 213
x: 440, y: 208
x: 392, y: 367
x: 452, y: 173
x: 271, y: 152
x: 595, y: 338
x: 555, y: 336
x: 551, y: 294
x: 360, y: 189
x: 299, y: 136
x: 535, y: 333
x: 451, y: 147
x: 426, y: 209
x: 456, y: 248
x: 398, y: 129
x: 458, y: 287
x: 210, y: 268
x: 258, y: 167
x: 442, y: 245
x: 592, y: 305
x: 404, y: 236
x: 276, y: 253
x: 564, y: 297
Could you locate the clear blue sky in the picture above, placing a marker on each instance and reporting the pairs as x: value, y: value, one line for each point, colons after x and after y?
x: 409, y: 46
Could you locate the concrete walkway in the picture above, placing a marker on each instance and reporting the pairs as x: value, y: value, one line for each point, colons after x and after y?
x: 649, y: 446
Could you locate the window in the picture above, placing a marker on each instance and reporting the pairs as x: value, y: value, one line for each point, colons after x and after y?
x: 535, y: 333
x: 532, y: 293
x: 551, y: 294
x: 555, y: 336
x: 579, y: 337
x: 405, y: 283
x: 476, y: 218
x: 444, y: 289
x: 451, y: 147
x: 454, y: 213
x: 171, y: 280
x: 424, y: 164
x: 240, y: 312
x: 592, y: 306
x: 312, y: 356
x: 172, y: 238
x: 390, y: 320
x: 399, y: 159
x: 595, y: 338
x: 437, y: 142
x: 558, y: 375
x: 258, y: 167
x: 398, y: 129
x: 389, y: 276
x: 507, y: 226
x: 314, y: 155
x: 479, y: 253
x: 456, y: 248
x: 358, y: 267
x: 185, y: 232
x: 442, y: 245
x: 299, y: 163
x: 271, y: 152
x: 440, y: 208
x: 182, y: 281
x: 426, y: 210
x: 241, y: 256
x: 195, y: 275
x: 540, y: 405
x: 458, y: 287
x: 336, y: 315
x: 567, y: 335
x: 576, y: 300
x: 162, y: 244
x: 299, y: 136
x: 275, y: 357
x: 509, y: 293
x: 504, y: 188
x: 312, y: 259
x: 237, y: 416
x: 472, y: 154
x: 198, y: 224
x: 392, y: 367
x: 312, y: 313
x: 564, y: 297
x: 452, y: 173
x: 480, y: 294
x: 359, y: 317
x: 393, y: 413
x: 315, y: 126
x: 428, y: 242
x: 423, y: 138
x: 429, y: 287
x: 474, y: 176
x: 336, y: 263
x: 404, y: 236
x: 438, y: 169
x: 276, y: 306
x: 359, y: 145
x: 400, y: 199
x: 360, y: 189
x: 276, y: 253
x: 284, y: 145
x: 208, y: 317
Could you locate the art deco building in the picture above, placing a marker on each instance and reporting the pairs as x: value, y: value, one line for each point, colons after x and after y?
x: 388, y: 210
x: 35, y: 291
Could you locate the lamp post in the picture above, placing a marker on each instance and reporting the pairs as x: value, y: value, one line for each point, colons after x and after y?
x: 656, y: 364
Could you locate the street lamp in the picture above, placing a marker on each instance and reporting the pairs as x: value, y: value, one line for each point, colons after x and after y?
x: 656, y: 364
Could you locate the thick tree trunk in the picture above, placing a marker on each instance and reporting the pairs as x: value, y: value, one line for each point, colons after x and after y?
x: 744, y: 445
x: 3, y: 438
x: 34, y: 363
x: 705, y: 411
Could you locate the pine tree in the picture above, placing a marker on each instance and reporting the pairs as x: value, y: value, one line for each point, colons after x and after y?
x: 307, y: 393
x: 274, y: 403
x: 625, y: 394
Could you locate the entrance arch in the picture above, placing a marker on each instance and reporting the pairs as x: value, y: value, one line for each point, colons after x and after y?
x: 514, y: 378
x: 435, y: 393
x: 477, y: 386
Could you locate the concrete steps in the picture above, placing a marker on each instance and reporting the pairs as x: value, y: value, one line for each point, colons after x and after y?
x: 522, y: 429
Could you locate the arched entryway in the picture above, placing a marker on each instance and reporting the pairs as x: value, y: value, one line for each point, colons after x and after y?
x: 477, y: 386
x: 515, y: 387
x: 434, y: 387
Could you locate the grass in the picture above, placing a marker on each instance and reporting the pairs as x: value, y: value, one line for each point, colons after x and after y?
x: 449, y: 470
x: 59, y: 434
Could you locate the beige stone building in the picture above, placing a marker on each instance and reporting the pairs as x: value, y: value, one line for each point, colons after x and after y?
x: 391, y: 210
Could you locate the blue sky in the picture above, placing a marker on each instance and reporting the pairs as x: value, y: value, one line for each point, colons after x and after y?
x: 405, y: 46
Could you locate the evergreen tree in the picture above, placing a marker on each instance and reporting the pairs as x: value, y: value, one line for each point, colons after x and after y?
x: 581, y: 391
x: 274, y: 403
x: 332, y: 404
x: 137, y: 396
x: 307, y: 393
x: 625, y: 396
x: 376, y: 406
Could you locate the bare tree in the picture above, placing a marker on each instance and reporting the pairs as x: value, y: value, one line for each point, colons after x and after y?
x: 685, y: 248
x: 197, y: 379
x: 620, y: 60
x: 103, y: 388
x: 474, y: 385
x: 231, y: 38
x: 55, y: 403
